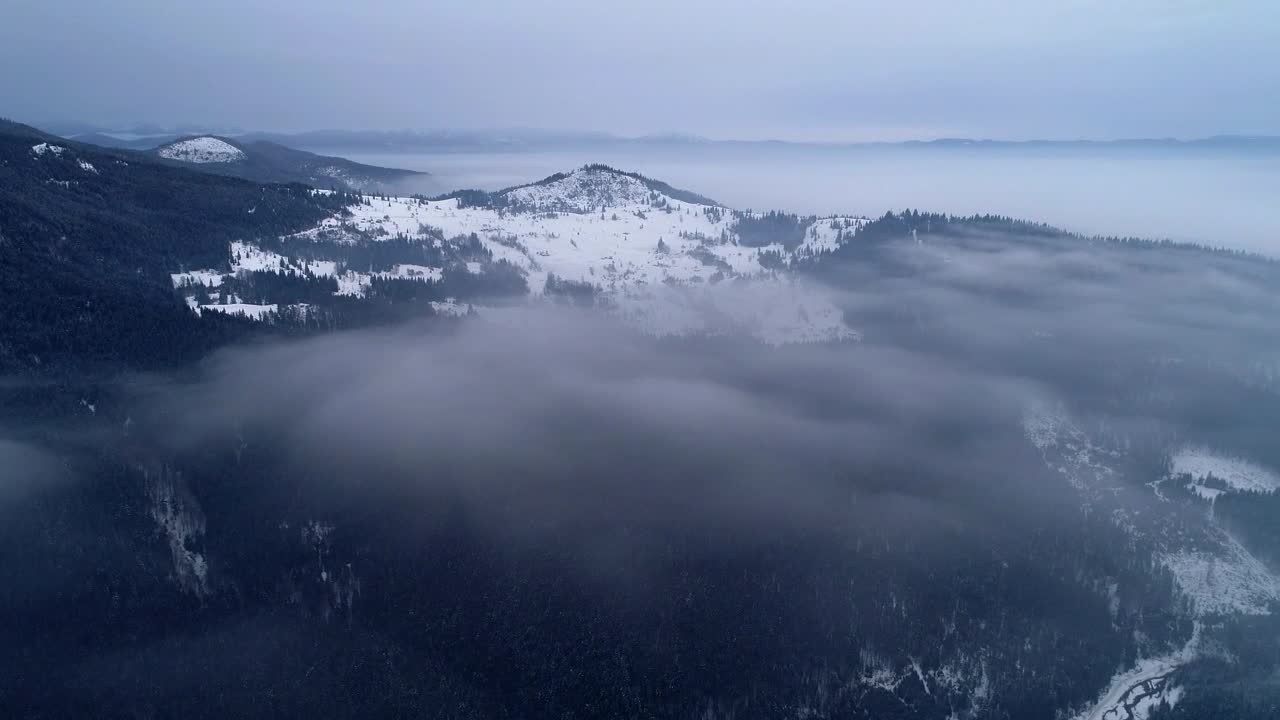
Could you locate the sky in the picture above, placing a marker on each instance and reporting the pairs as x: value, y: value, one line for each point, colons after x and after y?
x: 844, y: 70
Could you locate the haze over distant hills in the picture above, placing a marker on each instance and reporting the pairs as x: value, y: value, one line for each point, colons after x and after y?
x: 258, y: 159
x: 514, y: 139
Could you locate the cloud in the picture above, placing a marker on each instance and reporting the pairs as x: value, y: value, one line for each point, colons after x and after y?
x: 810, y: 69
x: 560, y: 421
x: 555, y: 490
x: 568, y: 422
x: 26, y: 471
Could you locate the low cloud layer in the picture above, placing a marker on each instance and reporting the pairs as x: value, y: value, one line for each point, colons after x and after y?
x: 548, y: 494
x: 569, y: 420
x: 558, y: 420
x: 1211, y: 197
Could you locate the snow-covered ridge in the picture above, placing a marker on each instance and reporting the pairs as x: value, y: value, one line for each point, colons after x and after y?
x: 668, y: 265
x: 42, y: 149
x: 589, y: 188
x: 592, y: 188
x: 205, y: 149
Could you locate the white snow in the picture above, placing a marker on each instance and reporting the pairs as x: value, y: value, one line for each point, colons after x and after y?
x: 253, y: 312
x: 1225, y: 579
x: 248, y: 257
x: 202, y: 150
x: 1211, y: 569
x: 42, y: 148
x: 1238, y: 473
x: 1204, y: 492
x: 451, y: 308
x: 87, y: 166
x: 826, y: 234
x: 587, y: 190
x: 207, y: 278
x: 353, y: 284
x: 611, y: 231
x: 418, y: 272
x: 1135, y: 692
x: 668, y: 266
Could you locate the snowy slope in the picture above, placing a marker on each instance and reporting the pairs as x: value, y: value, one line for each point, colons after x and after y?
x: 1213, y: 572
x: 667, y: 265
x: 1237, y: 473
x: 586, y: 190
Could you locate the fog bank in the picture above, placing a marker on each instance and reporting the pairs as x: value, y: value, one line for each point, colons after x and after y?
x: 1222, y: 199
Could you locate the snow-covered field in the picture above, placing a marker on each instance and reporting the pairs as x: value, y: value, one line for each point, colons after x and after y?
x: 255, y: 312
x: 1239, y: 474
x: 202, y: 150
x: 1223, y: 579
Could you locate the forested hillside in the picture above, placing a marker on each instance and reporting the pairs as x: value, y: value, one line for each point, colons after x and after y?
x: 88, y: 238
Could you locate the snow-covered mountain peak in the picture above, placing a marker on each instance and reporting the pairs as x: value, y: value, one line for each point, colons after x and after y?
x: 589, y: 189
x: 205, y: 149
x: 666, y: 260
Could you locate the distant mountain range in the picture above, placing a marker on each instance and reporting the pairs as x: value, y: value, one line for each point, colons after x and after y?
x: 515, y: 140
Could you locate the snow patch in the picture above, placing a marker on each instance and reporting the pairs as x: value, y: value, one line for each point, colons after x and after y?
x: 42, y: 148
x: 206, y: 278
x: 1134, y: 693
x: 202, y: 150
x: 826, y: 234
x: 253, y: 312
x: 450, y: 308
x: 1226, y: 581
x: 1238, y: 473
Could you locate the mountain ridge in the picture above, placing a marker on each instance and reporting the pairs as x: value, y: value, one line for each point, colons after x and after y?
x: 266, y: 161
x: 517, y: 139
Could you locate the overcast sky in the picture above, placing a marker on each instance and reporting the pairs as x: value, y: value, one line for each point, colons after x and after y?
x: 801, y: 69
